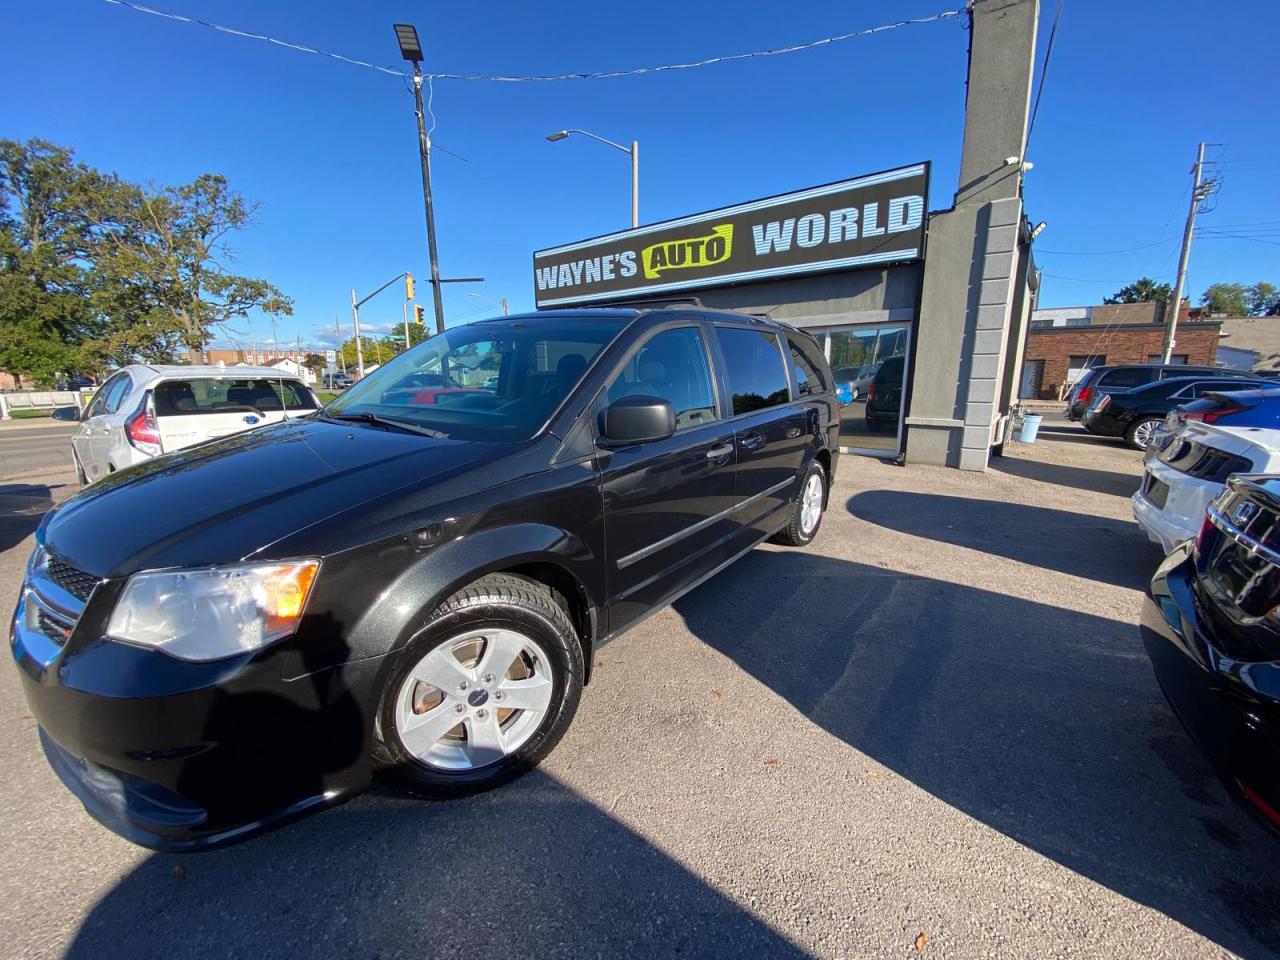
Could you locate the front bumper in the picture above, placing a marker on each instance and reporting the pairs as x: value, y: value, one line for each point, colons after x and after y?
x: 1230, y: 709
x: 178, y: 756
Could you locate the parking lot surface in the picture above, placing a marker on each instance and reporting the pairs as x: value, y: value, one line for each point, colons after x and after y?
x: 933, y: 733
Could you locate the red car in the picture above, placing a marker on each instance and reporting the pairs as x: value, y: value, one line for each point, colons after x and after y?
x: 433, y: 394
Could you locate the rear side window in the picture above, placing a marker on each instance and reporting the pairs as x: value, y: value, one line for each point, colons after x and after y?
x: 1127, y: 377
x: 753, y: 364
x: 184, y: 398
x: 809, y: 366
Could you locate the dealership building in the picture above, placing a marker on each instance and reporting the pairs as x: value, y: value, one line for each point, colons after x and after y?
x: 927, y: 311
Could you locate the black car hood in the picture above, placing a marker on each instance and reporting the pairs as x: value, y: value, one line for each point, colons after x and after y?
x: 223, y: 501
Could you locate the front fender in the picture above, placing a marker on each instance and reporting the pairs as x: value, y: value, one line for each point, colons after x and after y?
x: 441, y: 571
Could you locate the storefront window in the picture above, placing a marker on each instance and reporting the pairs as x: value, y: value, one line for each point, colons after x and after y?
x: 870, y: 370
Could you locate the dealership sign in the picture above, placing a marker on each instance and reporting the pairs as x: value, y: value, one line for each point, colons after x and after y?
x: 868, y: 221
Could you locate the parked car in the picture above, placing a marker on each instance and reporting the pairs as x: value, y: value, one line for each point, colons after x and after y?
x: 1233, y: 408
x: 884, y: 394
x: 145, y: 410
x: 1182, y: 476
x: 853, y: 382
x: 338, y: 381
x: 232, y: 635
x: 76, y: 382
x: 1113, y: 379
x: 1135, y: 414
x: 1211, y: 630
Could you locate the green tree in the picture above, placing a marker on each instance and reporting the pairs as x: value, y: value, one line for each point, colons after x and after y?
x: 1228, y: 299
x: 1263, y: 300
x: 165, y: 267
x: 46, y: 233
x: 1144, y: 290
x: 97, y: 271
x: 315, y: 362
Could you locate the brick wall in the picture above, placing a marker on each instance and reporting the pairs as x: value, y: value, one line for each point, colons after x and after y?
x: 1127, y: 344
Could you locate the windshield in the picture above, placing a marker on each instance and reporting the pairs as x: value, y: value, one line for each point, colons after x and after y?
x: 497, y: 380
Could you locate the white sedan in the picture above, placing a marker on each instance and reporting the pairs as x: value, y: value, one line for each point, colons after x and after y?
x: 144, y: 410
x: 1184, y: 473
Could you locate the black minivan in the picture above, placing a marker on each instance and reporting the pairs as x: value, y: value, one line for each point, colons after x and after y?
x: 412, y: 579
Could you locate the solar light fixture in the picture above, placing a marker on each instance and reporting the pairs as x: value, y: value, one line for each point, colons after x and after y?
x: 407, y: 37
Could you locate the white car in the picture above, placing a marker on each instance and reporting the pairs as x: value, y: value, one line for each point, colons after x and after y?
x: 145, y: 410
x: 1183, y: 475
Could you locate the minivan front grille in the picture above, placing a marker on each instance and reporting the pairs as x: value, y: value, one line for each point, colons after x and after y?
x: 76, y: 582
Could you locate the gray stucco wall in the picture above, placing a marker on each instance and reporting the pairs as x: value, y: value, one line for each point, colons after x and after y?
x: 888, y: 295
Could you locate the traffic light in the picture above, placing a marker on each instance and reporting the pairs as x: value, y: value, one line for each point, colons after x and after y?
x: 408, y: 286
x: 419, y: 314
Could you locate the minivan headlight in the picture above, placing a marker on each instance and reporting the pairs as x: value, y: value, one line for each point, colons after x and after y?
x: 216, y: 612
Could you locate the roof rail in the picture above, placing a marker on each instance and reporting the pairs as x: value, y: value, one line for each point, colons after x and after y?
x: 650, y: 301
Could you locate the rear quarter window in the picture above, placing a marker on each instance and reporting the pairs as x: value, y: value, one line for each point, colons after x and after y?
x: 810, y: 367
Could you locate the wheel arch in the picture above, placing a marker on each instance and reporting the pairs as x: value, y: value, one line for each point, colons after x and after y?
x: 541, y: 552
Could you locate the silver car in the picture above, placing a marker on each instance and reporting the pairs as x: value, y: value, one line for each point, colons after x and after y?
x: 144, y: 410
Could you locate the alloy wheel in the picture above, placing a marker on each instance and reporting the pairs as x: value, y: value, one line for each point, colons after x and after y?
x: 473, y: 699
x: 1143, y: 433
x: 811, y: 503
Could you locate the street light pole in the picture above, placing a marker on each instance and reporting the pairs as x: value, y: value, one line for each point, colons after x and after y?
x: 634, y: 150
x: 355, y: 320
x: 424, y: 151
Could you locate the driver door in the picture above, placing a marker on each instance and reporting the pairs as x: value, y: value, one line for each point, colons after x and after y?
x: 667, y: 504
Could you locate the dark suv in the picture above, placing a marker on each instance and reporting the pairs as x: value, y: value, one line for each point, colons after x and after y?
x: 1117, y: 378
x: 231, y: 635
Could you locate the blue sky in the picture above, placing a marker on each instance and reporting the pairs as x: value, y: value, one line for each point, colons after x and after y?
x: 329, y: 149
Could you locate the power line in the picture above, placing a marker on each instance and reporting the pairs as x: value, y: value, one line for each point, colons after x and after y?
x: 500, y: 78
x: 1058, y: 276
x: 1044, y: 70
x: 1107, y: 253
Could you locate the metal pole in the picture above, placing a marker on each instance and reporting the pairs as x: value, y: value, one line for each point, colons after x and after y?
x: 404, y: 310
x: 337, y: 329
x: 355, y: 319
x: 424, y: 151
x: 635, y: 183
x: 505, y: 311
x: 1171, y: 312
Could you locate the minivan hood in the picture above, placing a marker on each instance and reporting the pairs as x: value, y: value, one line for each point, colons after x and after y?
x: 222, y: 501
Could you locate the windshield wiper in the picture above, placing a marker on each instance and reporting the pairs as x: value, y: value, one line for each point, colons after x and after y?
x: 367, y: 417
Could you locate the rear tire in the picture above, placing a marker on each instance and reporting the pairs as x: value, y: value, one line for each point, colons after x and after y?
x: 450, y: 738
x: 806, y: 513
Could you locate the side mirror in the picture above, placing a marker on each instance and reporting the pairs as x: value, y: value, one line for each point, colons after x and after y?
x: 71, y: 414
x: 638, y: 419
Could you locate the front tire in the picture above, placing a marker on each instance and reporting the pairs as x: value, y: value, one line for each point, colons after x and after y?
x: 1139, y: 433
x: 483, y: 692
x: 806, y: 513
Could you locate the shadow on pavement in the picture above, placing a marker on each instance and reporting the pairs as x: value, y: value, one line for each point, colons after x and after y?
x: 531, y: 870
x: 1096, y: 548
x: 1041, y: 722
x: 21, y: 507
x: 1077, y: 478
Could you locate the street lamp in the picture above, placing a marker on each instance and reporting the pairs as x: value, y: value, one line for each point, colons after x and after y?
x: 502, y: 304
x: 411, y: 49
x: 635, y: 165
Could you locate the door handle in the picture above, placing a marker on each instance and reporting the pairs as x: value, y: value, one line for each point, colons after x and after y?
x: 753, y: 441
x: 721, y: 452
x: 793, y: 432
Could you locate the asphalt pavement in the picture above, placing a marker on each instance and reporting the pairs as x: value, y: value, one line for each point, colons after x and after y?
x: 27, y: 446
x: 933, y: 733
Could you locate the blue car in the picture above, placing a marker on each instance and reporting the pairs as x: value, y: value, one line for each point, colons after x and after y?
x: 1235, y: 408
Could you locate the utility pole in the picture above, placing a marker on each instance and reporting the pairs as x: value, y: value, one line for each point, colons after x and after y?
x: 337, y: 330
x: 275, y: 338
x: 355, y: 318
x: 1199, y: 190
x: 404, y: 311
